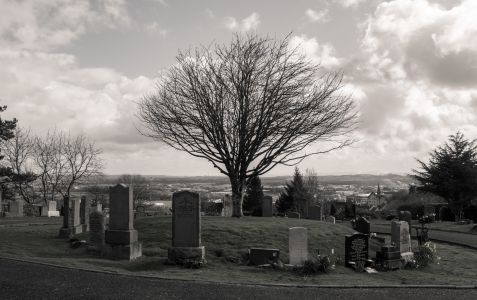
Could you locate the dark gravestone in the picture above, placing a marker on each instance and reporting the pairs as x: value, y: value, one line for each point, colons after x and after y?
x: 121, y: 238
x: 186, y: 229
x: 388, y: 258
x: 267, y: 206
x: 71, y: 218
x: 314, y: 212
x: 96, y: 231
x: 84, y: 214
x: 261, y: 256
x: 363, y: 225
x: 293, y: 215
x: 356, y: 249
x: 405, y: 215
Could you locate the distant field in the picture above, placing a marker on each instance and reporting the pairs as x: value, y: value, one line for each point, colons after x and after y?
x: 230, y: 237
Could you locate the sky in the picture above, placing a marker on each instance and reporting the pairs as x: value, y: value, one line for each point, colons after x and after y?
x: 83, y: 66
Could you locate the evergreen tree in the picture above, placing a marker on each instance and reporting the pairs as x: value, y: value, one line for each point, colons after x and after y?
x: 253, y: 198
x: 451, y: 173
x: 295, y: 196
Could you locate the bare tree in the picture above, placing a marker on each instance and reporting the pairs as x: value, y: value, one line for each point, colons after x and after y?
x: 247, y: 107
x: 312, y: 184
x: 18, y: 154
x: 140, y: 186
x: 49, y: 162
x: 81, y: 160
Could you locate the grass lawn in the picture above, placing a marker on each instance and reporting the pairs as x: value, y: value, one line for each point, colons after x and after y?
x: 447, y: 226
x: 230, y: 237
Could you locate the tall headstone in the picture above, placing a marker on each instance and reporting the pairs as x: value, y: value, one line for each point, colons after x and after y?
x: 356, y: 249
x: 314, y: 212
x: 96, y: 231
x: 186, y: 229
x: 71, y: 218
x: 400, y: 236
x: 267, y: 206
x: 297, y: 245
x: 84, y: 213
x: 121, y: 238
x: 363, y: 225
x: 227, y: 206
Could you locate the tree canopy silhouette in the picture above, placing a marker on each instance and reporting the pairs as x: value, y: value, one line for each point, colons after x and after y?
x: 247, y: 107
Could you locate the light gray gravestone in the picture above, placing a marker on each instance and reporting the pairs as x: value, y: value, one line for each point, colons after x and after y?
x: 297, y: 245
x: 121, y: 238
x: 400, y: 236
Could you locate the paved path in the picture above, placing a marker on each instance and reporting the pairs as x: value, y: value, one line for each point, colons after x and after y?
x: 21, y: 280
x: 458, y: 238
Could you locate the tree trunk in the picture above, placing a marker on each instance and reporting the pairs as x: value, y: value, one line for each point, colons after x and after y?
x: 237, y: 191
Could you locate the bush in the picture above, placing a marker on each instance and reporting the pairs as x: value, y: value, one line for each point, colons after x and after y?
x: 471, y: 213
x: 424, y: 256
x: 319, y: 264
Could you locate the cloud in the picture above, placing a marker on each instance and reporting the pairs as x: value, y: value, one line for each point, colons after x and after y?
x: 154, y: 28
x: 321, y: 16
x: 349, y: 3
x: 323, y: 54
x: 249, y: 23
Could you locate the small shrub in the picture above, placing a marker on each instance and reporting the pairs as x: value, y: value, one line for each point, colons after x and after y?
x: 424, y: 256
x: 316, y: 265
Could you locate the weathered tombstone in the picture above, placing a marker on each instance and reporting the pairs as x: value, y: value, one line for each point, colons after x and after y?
x: 314, y: 212
x: 267, y: 206
x: 262, y: 256
x: 96, y: 231
x: 121, y: 238
x: 293, y: 215
x: 330, y: 219
x: 99, y: 207
x: 400, y: 236
x: 356, y: 250
x: 227, y: 208
x: 71, y: 218
x: 16, y: 208
x: 50, y: 210
x: 405, y: 215
x: 363, y: 225
x: 84, y: 214
x: 297, y: 245
x: 186, y: 229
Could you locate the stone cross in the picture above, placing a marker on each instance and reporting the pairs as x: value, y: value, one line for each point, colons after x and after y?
x: 297, y: 245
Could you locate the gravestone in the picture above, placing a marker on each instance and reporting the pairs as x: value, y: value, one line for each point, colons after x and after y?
x: 227, y: 207
x: 121, y: 238
x: 405, y: 215
x: 96, y: 231
x: 356, y: 249
x: 186, y: 229
x: 84, y: 214
x: 267, y: 206
x: 388, y: 258
x: 330, y: 219
x: 314, y: 212
x: 16, y: 208
x: 363, y: 225
x: 71, y: 218
x: 262, y: 256
x: 297, y: 245
x: 99, y: 207
x: 400, y: 236
x: 50, y: 210
x: 293, y: 215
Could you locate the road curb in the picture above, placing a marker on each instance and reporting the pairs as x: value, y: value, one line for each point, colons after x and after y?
x: 284, y: 285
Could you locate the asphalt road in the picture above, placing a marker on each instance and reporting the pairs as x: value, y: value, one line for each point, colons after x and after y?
x: 463, y: 239
x: 20, y: 280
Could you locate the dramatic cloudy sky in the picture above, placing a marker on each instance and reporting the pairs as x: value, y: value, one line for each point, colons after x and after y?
x: 82, y: 66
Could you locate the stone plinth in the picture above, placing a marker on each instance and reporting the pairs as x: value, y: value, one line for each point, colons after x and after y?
x: 186, y: 229
x: 267, y: 206
x: 297, y: 245
x: 121, y: 238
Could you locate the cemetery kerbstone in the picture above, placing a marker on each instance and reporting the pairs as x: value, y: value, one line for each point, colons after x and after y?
x: 71, y: 218
x: 356, y: 249
x: 363, y: 225
x: 267, y: 206
x: 293, y: 215
x: 186, y: 229
x: 84, y: 214
x: 400, y: 236
x: 262, y: 256
x: 314, y: 212
x: 96, y: 231
x: 297, y: 245
x: 121, y: 238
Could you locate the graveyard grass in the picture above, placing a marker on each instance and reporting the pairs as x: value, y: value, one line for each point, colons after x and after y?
x: 227, y: 238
